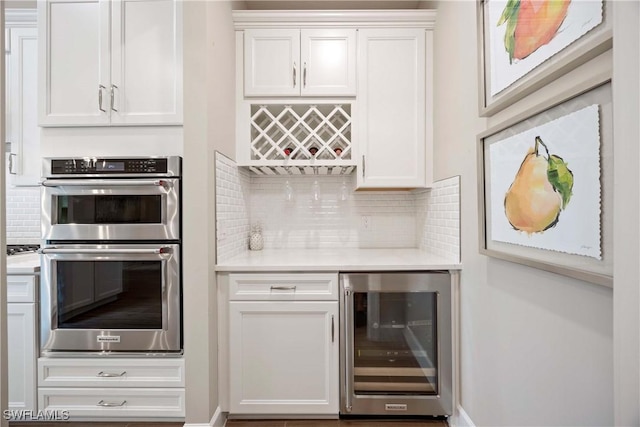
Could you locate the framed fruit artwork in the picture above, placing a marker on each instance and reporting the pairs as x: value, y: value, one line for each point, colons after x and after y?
x: 525, y: 44
x: 545, y: 185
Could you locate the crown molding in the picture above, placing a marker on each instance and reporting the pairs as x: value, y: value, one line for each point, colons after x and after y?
x: 420, y: 18
x: 20, y: 17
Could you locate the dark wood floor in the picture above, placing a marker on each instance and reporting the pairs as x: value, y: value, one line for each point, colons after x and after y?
x: 87, y: 424
x: 255, y: 423
x: 339, y: 423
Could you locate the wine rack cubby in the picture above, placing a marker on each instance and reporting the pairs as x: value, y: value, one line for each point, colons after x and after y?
x: 301, y: 134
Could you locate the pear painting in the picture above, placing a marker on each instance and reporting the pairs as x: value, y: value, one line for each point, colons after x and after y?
x: 540, y: 191
x: 531, y: 24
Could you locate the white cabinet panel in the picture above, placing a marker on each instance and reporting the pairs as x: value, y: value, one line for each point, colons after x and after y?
x: 293, y: 62
x: 22, y: 109
x: 21, y: 288
x: 146, y: 66
x: 328, y: 58
x: 110, y: 62
x: 284, y: 287
x: 74, y: 50
x: 114, y: 402
x: 108, y: 373
x: 392, y: 102
x: 283, y: 357
x: 271, y: 62
x: 21, y: 344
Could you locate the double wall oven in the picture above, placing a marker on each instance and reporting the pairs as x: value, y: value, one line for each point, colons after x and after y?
x: 111, y: 268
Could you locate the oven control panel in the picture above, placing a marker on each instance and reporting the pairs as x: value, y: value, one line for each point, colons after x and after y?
x: 110, y: 166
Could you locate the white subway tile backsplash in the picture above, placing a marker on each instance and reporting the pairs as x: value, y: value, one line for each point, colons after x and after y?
x: 438, y: 213
x: 232, y: 216
x: 337, y: 217
x: 23, y: 215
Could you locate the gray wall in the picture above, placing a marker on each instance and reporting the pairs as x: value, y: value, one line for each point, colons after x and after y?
x: 626, y: 93
x: 536, y: 348
x: 209, y: 76
x: 3, y: 276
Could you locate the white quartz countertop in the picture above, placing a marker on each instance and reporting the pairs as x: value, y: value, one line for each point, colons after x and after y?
x: 23, y: 264
x: 337, y: 260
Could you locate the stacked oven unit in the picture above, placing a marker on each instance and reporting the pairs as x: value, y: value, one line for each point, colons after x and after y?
x: 111, y: 267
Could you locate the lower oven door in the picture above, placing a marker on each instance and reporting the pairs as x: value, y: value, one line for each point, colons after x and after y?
x: 110, y: 298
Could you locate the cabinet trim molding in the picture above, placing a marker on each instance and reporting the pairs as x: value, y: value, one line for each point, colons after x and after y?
x: 423, y: 18
x: 19, y: 17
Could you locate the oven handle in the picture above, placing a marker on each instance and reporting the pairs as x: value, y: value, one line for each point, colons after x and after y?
x: 155, y: 251
x: 105, y: 183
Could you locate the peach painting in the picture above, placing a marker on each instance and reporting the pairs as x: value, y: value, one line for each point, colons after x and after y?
x: 525, y: 33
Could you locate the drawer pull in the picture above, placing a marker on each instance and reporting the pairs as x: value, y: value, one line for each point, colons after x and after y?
x: 283, y: 288
x: 110, y: 404
x: 103, y: 374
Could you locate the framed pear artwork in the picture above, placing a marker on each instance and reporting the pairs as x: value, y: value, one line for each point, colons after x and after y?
x: 545, y: 185
x: 525, y: 44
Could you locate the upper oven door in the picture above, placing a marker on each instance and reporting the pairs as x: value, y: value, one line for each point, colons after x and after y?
x: 111, y: 209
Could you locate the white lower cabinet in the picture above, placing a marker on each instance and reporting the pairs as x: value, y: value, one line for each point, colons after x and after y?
x: 21, y: 344
x: 284, y: 357
x: 114, y: 402
x: 21, y: 341
x: 120, y: 388
x: 283, y: 354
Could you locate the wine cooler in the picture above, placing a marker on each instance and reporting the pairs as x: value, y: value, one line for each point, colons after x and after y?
x: 396, y: 344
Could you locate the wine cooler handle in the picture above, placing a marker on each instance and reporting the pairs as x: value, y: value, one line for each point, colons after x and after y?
x: 348, y: 339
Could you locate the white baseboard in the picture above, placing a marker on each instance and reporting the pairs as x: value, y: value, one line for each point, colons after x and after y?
x: 218, y: 420
x: 461, y: 418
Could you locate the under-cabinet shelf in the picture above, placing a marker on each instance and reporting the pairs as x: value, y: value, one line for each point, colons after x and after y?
x: 301, y: 170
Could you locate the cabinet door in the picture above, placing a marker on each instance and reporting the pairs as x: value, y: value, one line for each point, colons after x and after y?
x: 24, y: 161
x: 392, y: 96
x: 21, y: 344
x: 272, y: 62
x: 283, y: 357
x: 328, y: 60
x: 73, y: 37
x: 146, y: 62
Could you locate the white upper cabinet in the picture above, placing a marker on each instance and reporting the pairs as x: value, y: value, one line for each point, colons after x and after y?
x: 110, y: 62
x: 22, y: 130
x: 395, y: 108
x: 292, y: 62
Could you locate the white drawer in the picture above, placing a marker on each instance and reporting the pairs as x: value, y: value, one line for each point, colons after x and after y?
x: 54, y: 372
x: 21, y: 288
x: 284, y: 287
x: 113, y: 402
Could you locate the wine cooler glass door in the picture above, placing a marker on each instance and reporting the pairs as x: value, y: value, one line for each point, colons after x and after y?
x: 396, y: 343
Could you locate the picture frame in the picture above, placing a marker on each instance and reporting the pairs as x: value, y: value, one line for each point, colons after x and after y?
x: 589, y: 45
x: 582, y: 97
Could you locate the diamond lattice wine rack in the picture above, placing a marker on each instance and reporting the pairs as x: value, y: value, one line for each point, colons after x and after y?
x: 301, y: 135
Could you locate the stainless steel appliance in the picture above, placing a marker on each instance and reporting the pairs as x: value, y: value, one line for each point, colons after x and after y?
x: 111, y: 258
x: 396, y: 344
x: 21, y: 249
x: 111, y: 199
